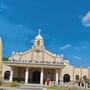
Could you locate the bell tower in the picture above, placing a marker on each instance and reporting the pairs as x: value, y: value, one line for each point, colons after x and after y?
x: 0, y: 56
x: 38, y: 42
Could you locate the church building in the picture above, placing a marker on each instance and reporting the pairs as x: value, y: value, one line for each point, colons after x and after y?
x: 39, y: 65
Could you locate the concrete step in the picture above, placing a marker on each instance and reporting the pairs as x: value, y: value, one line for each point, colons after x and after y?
x: 31, y: 87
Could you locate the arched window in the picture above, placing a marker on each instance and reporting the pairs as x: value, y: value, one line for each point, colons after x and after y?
x: 84, y: 77
x: 38, y: 42
x: 77, y: 77
x: 66, y: 78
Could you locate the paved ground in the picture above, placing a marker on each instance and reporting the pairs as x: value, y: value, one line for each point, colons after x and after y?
x: 7, y: 88
x: 52, y: 88
x: 14, y: 88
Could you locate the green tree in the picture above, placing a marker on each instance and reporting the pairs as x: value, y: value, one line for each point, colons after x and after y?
x: 5, y: 58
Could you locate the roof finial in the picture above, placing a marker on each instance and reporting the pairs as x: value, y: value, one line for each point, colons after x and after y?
x: 39, y: 31
x: 39, y: 34
x: 0, y: 38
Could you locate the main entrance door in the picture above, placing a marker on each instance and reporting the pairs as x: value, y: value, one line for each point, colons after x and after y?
x: 66, y: 78
x: 36, y: 77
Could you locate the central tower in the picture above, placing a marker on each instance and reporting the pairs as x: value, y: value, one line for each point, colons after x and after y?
x: 39, y: 42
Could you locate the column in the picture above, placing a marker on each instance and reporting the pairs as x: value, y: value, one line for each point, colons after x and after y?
x: 57, y: 77
x: 41, y: 76
x: 11, y: 75
x: 26, y: 75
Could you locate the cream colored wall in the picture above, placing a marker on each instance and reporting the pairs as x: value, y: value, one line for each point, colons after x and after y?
x: 4, y: 69
x: 35, y: 55
x: 81, y: 72
x: 73, y: 72
x: 15, y: 73
x: 38, y: 56
x: 48, y: 57
x: 26, y: 56
x: 41, y: 42
x: 77, y: 71
x: 19, y: 72
x: 58, y: 59
x: 67, y: 70
x: 85, y: 72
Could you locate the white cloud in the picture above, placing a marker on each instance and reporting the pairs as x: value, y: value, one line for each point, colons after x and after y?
x: 76, y: 57
x: 2, y: 7
x: 86, y: 19
x: 77, y: 48
x: 66, y: 46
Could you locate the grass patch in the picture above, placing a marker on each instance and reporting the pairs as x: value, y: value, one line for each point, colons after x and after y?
x: 65, y: 88
x: 57, y: 88
x: 12, y: 84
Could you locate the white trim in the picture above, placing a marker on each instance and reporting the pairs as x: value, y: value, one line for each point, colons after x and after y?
x: 26, y: 75
x: 41, y: 76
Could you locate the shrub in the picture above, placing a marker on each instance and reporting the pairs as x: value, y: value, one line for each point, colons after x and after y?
x: 22, y: 82
x: 0, y: 82
x: 14, y: 84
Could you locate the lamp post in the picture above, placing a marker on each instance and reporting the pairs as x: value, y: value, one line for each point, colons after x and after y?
x: 73, y: 73
x: 81, y: 72
x: 88, y: 71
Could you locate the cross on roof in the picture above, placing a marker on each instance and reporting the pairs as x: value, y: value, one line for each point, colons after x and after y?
x: 39, y: 31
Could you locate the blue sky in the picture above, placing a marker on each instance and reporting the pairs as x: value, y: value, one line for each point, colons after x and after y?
x: 65, y: 27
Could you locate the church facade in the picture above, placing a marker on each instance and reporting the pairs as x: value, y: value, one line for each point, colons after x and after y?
x: 39, y: 65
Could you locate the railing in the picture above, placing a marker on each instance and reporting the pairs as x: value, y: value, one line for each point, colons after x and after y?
x: 34, y: 62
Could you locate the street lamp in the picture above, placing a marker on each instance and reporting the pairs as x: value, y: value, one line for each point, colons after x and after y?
x: 73, y: 73
x: 88, y: 71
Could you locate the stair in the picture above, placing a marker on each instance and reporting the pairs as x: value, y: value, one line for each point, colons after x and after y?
x: 31, y: 87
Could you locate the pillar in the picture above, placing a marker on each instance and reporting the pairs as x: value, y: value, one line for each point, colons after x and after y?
x: 11, y: 75
x: 41, y: 76
x: 57, y: 77
x: 26, y: 75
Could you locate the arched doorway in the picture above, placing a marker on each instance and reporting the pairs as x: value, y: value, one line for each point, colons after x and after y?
x: 6, y: 75
x: 77, y: 78
x: 36, y: 77
x: 66, y: 78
